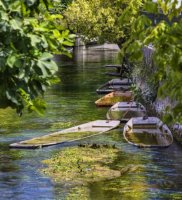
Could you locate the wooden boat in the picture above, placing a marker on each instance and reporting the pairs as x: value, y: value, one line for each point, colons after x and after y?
x: 177, y: 132
x: 113, y: 66
x: 115, y: 85
x: 118, y: 70
x: 125, y: 110
x: 147, y: 132
x: 68, y: 135
x: 114, y: 97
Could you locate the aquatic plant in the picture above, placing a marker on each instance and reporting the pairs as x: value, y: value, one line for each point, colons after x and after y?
x: 58, y: 137
x: 95, y: 164
x: 81, y: 165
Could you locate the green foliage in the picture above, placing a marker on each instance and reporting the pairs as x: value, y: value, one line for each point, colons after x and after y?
x: 59, y: 6
x: 165, y: 36
x: 29, y: 35
x: 66, y: 2
x: 83, y: 165
x: 95, y: 20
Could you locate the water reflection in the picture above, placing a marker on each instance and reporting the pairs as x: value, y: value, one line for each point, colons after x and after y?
x: 71, y: 102
x: 94, y: 54
x: 147, y: 173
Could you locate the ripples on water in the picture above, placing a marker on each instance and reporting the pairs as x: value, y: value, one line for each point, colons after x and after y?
x: 147, y: 173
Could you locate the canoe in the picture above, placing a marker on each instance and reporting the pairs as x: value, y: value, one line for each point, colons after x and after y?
x: 147, y: 132
x: 68, y: 135
x: 114, y: 97
x: 115, y: 85
x: 125, y: 110
x: 177, y: 132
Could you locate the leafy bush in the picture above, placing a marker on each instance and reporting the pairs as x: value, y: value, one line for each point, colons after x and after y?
x: 29, y: 36
x: 146, y: 25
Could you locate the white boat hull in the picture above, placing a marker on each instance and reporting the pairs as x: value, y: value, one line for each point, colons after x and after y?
x: 147, y: 132
x: 68, y: 135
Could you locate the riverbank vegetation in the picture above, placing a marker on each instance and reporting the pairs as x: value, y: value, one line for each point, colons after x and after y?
x: 133, y: 25
x: 33, y: 31
x: 158, y: 23
x: 95, y: 20
x: 29, y: 37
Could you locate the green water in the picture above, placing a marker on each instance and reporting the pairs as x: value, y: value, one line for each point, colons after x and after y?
x: 147, y: 173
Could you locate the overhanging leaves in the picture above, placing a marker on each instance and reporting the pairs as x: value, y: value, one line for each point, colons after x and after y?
x: 29, y: 36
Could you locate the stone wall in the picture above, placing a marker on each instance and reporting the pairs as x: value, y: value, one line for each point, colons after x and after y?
x: 159, y: 104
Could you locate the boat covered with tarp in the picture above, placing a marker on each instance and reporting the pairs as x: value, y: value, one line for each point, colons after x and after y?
x: 68, y: 135
x: 116, y: 84
x: 147, y: 132
x: 125, y: 110
x: 114, y: 97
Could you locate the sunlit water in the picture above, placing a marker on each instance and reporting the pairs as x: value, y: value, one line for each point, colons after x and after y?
x: 71, y: 102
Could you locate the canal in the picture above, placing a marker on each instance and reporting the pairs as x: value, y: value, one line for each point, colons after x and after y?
x: 148, y: 173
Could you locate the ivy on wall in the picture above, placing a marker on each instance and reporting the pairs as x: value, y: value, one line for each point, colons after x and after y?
x: 165, y: 35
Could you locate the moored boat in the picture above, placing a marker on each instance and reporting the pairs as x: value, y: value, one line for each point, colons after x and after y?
x: 68, y: 135
x: 126, y: 110
x: 113, y: 66
x: 147, y: 132
x: 115, y: 85
x: 118, y: 70
x: 177, y: 132
x: 114, y: 97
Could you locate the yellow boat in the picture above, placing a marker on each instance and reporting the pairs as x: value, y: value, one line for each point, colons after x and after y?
x: 114, y: 97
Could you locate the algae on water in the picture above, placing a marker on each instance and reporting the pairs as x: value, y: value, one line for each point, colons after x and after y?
x: 86, y: 165
x: 57, y: 138
x: 56, y: 125
x: 78, y: 193
x: 82, y: 165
